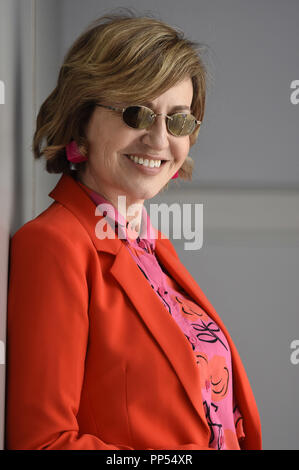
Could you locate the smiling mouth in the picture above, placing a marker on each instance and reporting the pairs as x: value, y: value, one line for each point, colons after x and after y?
x: 146, y: 162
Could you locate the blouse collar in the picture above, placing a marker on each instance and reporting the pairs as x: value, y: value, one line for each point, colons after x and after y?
x: 123, y: 228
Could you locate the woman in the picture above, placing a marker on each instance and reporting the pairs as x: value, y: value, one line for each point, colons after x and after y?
x: 111, y: 342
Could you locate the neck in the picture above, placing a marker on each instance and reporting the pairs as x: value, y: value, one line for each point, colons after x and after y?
x: 128, y: 208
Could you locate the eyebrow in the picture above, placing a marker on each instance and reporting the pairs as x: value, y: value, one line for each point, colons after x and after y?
x: 181, y: 107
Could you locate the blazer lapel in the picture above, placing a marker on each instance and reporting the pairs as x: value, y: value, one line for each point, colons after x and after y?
x: 161, y: 325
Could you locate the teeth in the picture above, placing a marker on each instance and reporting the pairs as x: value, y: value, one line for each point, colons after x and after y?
x: 145, y: 162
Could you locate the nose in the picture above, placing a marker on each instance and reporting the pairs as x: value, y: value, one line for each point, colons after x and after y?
x: 156, y: 136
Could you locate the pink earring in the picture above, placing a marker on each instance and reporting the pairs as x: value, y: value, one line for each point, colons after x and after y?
x: 176, y: 175
x: 73, y: 154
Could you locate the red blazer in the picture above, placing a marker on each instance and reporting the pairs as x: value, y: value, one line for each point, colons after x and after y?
x: 89, y: 365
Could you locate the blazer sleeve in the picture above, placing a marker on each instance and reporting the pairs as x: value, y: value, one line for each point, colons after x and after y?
x: 47, y: 335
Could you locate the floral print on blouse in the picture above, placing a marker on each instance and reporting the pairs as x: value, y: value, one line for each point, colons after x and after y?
x: 204, y: 336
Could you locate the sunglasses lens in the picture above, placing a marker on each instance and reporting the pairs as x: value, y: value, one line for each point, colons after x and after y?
x: 181, y: 124
x: 138, y: 117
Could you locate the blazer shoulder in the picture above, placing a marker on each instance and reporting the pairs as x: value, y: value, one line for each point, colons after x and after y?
x: 54, y: 225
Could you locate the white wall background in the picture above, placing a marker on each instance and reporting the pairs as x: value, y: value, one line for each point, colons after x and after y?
x: 246, y: 171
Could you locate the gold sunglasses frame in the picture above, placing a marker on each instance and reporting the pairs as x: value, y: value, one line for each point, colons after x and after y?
x: 122, y: 110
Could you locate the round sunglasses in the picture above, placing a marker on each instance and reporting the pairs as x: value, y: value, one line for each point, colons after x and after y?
x: 141, y: 117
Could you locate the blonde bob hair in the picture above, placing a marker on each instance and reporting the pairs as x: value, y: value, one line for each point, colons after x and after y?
x: 119, y: 58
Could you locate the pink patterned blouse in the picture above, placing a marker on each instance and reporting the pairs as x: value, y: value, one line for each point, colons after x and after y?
x: 203, y: 334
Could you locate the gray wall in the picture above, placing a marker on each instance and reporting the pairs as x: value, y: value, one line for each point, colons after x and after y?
x: 16, y: 118
x: 246, y: 171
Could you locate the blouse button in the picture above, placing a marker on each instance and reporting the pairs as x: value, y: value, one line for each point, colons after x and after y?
x: 160, y: 290
x: 208, y: 385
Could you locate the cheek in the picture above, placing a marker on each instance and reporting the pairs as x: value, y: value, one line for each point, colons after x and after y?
x: 181, y: 149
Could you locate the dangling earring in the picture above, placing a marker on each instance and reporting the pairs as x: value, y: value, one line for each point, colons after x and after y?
x: 176, y: 175
x: 73, y: 154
